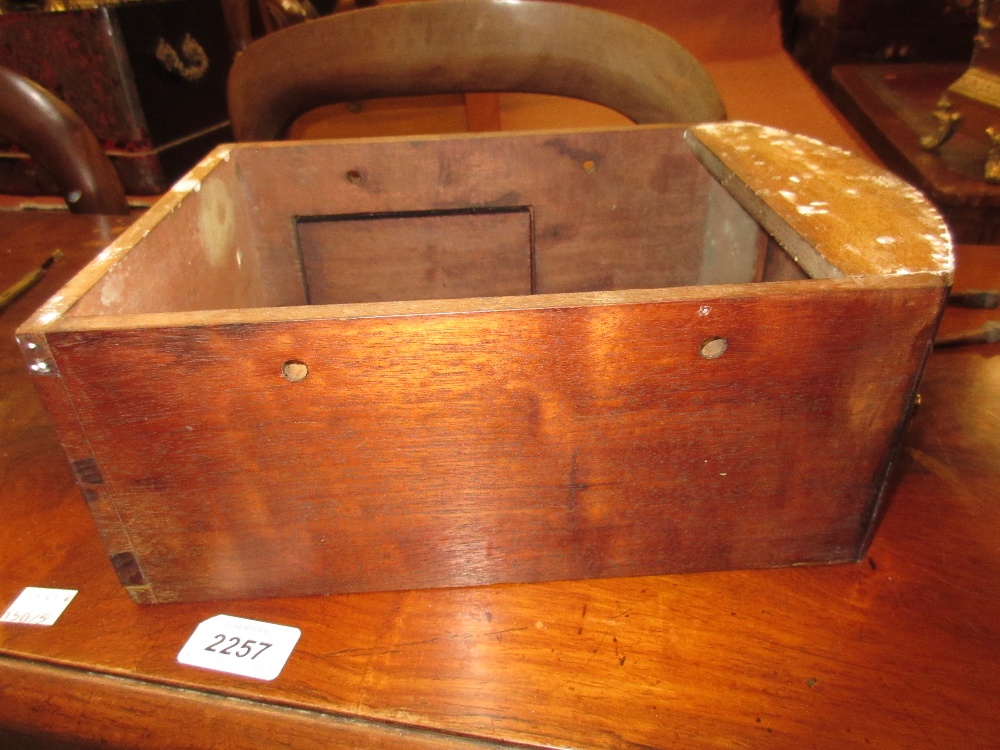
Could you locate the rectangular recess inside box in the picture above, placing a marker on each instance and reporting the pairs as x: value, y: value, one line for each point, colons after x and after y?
x: 635, y: 403
x: 444, y: 254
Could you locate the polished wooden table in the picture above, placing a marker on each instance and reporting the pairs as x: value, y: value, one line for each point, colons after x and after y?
x: 899, y: 650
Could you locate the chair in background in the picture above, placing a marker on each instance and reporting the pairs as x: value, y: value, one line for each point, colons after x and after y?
x: 460, y: 46
x: 267, y: 16
x: 55, y: 136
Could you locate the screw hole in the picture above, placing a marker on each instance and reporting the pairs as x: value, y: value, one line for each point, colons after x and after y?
x: 714, y: 348
x: 294, y: 371
x: 355, y: 177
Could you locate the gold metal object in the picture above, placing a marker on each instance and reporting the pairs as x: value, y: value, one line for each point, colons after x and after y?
x: 987, y: 23
x: 992, y: 170
x: 977, y: 92
x: 948, y: 120
x: 190, y: 64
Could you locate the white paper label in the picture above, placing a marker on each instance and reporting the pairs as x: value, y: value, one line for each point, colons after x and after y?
x: 37, y: 606
x: 248, y: 648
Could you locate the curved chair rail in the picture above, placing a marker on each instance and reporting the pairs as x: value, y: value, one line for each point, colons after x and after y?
x: 52, y: 133
x: 459, y: 46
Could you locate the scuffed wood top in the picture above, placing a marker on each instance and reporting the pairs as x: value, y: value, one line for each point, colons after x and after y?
x: 836, y: 213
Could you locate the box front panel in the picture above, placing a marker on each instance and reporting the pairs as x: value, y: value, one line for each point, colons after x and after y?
x: 346, y: 455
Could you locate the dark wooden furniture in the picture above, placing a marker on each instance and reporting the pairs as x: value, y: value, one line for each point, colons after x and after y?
x: 60, y: 141
x: 453, y: 46
x: 902, y: 649
x: 936, y: 124
x: 147, y: 77
x: 892, y: 106
x: 821, y: 35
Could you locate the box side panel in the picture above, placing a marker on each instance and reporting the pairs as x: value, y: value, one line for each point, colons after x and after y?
x: 196, y: 251
x: 51, y: 389
x: 778, y: 265
x: 501, y: 446
x: 734, y: 242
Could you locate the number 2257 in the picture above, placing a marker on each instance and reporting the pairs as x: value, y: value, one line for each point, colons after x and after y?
x: 237, y: 646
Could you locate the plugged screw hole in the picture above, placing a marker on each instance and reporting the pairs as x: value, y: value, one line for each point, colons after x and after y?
x: 714, y: 348
x: 294, y: 371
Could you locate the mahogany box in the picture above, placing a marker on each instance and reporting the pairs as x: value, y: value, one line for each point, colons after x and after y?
x: 325, y: 367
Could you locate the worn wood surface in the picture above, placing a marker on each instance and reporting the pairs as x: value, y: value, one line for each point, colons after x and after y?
x: 620, y: 209
x: 836, y: 213
x: 616, y: 210
x: 902, y: 649
x: 437, y: 255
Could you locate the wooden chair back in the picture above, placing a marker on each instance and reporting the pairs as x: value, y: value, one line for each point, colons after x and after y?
x: 54, y: 135
x: 460, y: 46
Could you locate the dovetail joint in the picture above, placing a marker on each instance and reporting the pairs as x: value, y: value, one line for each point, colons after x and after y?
x: 87, y: 471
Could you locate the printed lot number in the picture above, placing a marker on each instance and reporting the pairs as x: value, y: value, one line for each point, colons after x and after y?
x: 245, y: 647
x: 38, y: 606
x: 235, y: 645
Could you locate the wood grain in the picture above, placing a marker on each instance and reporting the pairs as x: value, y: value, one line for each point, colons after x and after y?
x: 636, y: 219
x: 418, y: 255
x: 631, y: 424
x: 901, y: 649
x: 892, y: 107
x: 834, y: 212
x: 498, y: 446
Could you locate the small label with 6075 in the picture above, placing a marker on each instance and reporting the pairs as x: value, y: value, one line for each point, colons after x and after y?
x: 38, y: 606
x: 248, y: 648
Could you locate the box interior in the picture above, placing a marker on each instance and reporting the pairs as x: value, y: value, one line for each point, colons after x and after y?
x: 291, y: 224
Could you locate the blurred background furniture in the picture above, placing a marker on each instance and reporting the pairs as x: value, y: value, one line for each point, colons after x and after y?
x: 147, y: 77
x: 823, y: 33
x: 55, y: 136
x: 737, y: 41
x: 455, y: 46
x: 888, y: 65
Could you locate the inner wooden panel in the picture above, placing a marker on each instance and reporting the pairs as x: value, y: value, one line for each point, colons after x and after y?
x: 287, y: 224
x: 196, y: 249
x: 610, y: 210
x: 417, y: 255
x: 778, y: 265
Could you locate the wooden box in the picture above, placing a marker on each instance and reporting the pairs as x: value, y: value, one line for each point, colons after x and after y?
x: 147, y: 76
x: 387, y: 364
